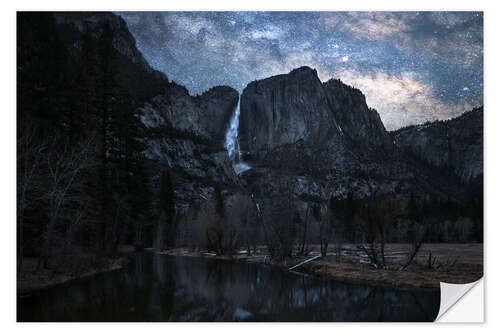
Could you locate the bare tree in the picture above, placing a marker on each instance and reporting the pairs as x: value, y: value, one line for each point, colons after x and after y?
x: 222, y: 236
x: 30, y: 150
x: 325, y: 230
x: 279, y: 221
x: 380, y: 213
x: 63, y: 166
x: 224, y: 229
x: 416, y: 232
x: 304, y: 250
x: 242, y: 213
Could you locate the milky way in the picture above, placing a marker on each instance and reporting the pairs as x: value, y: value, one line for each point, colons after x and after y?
x: 412, y: 66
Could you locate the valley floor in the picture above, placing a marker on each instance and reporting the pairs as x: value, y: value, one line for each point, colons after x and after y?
x: 451, y: 263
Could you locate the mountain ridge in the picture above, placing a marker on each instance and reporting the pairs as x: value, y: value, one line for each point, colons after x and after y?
x: 327, y: 129
x: 293, y: 123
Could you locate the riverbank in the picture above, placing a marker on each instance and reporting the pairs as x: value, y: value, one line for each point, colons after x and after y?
x: 32, y: 279
x: 452, y: 263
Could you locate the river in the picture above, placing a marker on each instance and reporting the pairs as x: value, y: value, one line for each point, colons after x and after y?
x: 163, y: 288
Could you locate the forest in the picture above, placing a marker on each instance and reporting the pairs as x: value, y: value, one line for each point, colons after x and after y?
x: 82, y: 181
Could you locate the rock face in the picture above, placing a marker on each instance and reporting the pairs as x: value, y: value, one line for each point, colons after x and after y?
x: 182, y: 133
x: 325, y: 140
x: 135, y: 73
x: 455, y: 144
x: 186, y: 135
x: 321, y: 139
x: 356, y: 120
x: 289, y: 108
x: 284, y: 109
x: 93, y: 22
x: 206, y: 116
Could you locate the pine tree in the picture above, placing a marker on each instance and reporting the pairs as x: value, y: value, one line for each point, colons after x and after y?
x: 167, y: 221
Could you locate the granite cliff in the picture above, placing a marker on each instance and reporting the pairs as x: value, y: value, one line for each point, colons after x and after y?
x: 320, y: 136
x: 455, y: 144
x: 325, y: 140
x: 182, y: 133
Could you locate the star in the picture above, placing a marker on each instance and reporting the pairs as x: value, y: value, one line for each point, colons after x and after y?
x: 406, y: 63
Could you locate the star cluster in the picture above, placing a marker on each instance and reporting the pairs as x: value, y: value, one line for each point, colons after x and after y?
x: 411, y: 66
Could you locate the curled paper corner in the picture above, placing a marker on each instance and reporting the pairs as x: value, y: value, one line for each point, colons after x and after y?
x: 461, y: 302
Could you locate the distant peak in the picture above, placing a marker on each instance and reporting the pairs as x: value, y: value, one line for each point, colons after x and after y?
x: 336, y: 85
x: 218, y: 89
x: 304, y: 70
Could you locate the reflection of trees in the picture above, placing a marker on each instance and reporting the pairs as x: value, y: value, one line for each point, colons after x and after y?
x: 160, y: 288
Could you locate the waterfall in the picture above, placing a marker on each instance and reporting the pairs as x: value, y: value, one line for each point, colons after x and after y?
x: 232, y: 143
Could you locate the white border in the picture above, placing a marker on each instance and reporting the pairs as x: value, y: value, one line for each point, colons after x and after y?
x: 7, y: 141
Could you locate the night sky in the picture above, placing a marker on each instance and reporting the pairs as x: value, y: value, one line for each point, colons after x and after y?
x: 411, y: 66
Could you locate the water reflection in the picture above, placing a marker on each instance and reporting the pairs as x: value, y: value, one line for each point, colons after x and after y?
x: 162, y: 288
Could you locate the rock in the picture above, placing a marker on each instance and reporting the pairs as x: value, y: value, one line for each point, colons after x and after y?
x: 284, y: 109
x: 206, y: 116
x: 182, y: 133
x: 355, y: 119
x: 289, y: 108
x: 321, y: 139
x: 135, y: 73
x: 186, y: 135
x: 455, y: 144
x: 326, y: 141
x: 93, y: 22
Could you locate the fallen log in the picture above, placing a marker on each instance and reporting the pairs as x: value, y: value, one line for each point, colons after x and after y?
x: 305, y: 262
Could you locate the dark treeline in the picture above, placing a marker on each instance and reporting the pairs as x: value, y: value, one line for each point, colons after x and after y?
x: 434, y: 122
x: 288, y: 227
x: 82, y: 180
